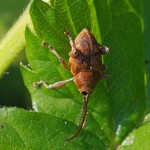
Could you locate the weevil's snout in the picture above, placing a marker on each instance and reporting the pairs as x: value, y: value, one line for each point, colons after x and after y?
x: 104, y: 49
x: 84, y: 93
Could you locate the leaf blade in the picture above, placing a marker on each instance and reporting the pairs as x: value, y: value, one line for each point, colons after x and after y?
x: 113, y: 108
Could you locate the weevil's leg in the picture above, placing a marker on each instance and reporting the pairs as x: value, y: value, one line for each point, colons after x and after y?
x: 71, y: 42
x: 104, y: 49
x: 50, y: 86
x: 104, y: 76
x: 62, y: 61
x: 104, y: 67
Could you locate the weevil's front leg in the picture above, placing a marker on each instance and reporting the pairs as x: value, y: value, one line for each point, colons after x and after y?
x: 50, y: 86
x: 71, y: 42
x: 62, y: 61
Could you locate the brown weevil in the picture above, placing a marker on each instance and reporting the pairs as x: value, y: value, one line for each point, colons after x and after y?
x: 86, y: 66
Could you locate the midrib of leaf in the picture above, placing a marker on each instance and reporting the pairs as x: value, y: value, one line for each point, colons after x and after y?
x: 95, y: 26
x: 70, y: 18
x: 114, y: 103
x: 37, y: 28
x: 43, y: 17
x: 90, y: 24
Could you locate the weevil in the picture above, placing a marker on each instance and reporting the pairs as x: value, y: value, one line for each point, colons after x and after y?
x: 86, y: 66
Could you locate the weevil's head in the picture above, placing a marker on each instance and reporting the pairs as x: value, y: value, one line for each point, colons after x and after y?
x: 86, y: 81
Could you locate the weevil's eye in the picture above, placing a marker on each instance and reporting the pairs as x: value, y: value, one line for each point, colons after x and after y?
x: 76, y: 53
x: 73, y: 54
x: 104, y: 49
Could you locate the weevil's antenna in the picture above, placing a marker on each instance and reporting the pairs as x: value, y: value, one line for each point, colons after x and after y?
x: 85, y: 98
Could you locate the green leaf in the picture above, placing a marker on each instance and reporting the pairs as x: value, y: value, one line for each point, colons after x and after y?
x: 118, y: 104
x: 22, y: 129
x: 126, y: 64
x: 138, y: 139
x: 146, y: 13
x: 103, y: 14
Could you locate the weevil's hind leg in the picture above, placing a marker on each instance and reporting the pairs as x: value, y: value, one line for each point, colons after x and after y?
x: 62, y: 61
x: 71, y: 42
x: 85, y: 98
x: 50, y: 86
x: 104, y: 67
x: 104, y: 76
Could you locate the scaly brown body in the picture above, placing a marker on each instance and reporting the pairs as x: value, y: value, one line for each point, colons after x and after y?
x: 86, y: 62
x: 85, y: 65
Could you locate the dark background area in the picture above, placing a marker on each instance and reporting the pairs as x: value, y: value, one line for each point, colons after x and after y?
x: 12, y: 89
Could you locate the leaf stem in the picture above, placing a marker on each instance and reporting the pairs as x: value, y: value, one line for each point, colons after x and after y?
x: 14, y: 41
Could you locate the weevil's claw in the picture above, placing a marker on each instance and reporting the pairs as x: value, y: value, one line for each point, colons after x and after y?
x: 105, y: 76
x: 35, y: 84
x: 44, y: 43
x: 104, y: 67
x: 67, y: 33
x: 47, y: 45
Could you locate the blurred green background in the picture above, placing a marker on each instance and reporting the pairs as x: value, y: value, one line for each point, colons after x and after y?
x: 12, y: 89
